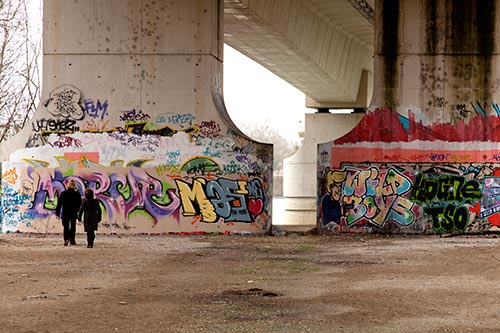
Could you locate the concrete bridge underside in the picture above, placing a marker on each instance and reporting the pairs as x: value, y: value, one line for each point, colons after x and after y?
x: 322, y: 47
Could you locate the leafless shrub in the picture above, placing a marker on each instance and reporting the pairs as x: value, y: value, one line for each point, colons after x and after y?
x: 20, y: 47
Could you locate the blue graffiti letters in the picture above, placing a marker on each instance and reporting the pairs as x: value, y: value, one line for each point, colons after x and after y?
x: 231, y: 200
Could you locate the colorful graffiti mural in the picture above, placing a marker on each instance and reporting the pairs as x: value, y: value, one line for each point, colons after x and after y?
x: 231, y: 200
x: 408, y: 186
x: 157, y: 174
x: 367, y: 198
x: 444, y: 197
x: 406, y: 198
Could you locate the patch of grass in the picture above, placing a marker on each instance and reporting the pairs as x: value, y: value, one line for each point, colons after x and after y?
x: 301, y: 266
x: 305, y: 247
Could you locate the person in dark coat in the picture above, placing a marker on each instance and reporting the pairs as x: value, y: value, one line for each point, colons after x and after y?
x: 91, y: 216
x: 67, y: 208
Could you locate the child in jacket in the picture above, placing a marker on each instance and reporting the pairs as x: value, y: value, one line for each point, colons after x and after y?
x: 91, y: 216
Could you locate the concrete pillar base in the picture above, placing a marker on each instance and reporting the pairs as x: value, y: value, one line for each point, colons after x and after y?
x: 299, y: 171
x: 300, y: 211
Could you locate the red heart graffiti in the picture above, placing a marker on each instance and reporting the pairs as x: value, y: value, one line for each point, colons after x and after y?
x: 255, y: 206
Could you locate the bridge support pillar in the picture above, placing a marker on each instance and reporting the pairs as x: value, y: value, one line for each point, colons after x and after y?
x: 132, y: 108
x: 299, y: 170
x: 424, y: 158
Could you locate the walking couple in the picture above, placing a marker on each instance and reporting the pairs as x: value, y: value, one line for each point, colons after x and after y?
x: 70, y: 207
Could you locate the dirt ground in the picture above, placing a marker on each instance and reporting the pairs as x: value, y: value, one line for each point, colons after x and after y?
x: 292, y: 283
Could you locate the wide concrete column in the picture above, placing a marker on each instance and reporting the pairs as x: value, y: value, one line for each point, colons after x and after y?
x: 299, y: 170
x: 132, y: 108
x: 445, y: 55
x: 424, y: 159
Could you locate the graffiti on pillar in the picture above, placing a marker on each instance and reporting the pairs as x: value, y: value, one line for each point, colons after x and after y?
x: 64, y: 105
x: 95, y: 109
x: 122, y: 195
x: 226, y: 199
x: 66, y: 141
x: 134, y: 116
x: 175, y: 119
x: 410, y: 198
x: 444, y: 199
x: 490, y: 203
x: 133, y: 198
x: 477, y: 108
x: 47, y: 126
x: 438, y: 101
x: 174, y: 174
x: 64, y: 102
x: 210, y: 129
x: 384, y: 125
x: 367, y: 198
x: 451, y: 163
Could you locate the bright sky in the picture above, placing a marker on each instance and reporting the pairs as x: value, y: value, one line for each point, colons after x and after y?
x: 253, y: 94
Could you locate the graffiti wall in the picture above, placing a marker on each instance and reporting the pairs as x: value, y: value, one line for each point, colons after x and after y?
x: 425, y: 157
x: 152, y: 173
x: 409, y: 181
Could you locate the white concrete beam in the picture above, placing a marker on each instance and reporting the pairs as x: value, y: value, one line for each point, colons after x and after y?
x: 322, y: 47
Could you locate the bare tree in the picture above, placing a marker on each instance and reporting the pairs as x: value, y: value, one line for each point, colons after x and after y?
x: 282, y: 147
x: 19, y: 66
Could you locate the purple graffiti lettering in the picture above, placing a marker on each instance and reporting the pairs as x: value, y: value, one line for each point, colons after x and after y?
x: 93, y: 109
x: 149, y: 193
x: 47, y: 192
x: 121, y: 195
x: 133, y: 115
